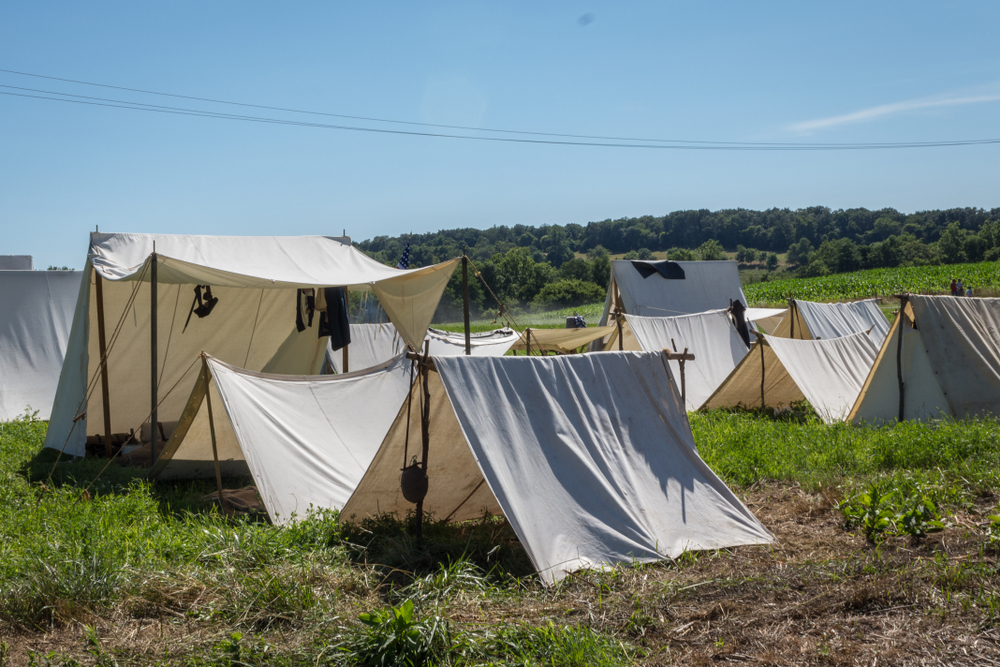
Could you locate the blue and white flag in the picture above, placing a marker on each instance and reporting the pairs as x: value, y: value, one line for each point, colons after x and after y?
x: 404, y: 261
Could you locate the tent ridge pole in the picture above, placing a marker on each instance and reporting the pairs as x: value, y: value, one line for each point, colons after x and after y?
x: 153, y: 424
x: 103, y: 349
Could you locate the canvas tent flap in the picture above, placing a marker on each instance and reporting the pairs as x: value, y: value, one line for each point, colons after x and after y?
x: 371, y: 345
x: 239, y: 261
x: 562, y: 341
x: 591, y: 459
x: 827, y: 373
x: 36, y: 314
x: 710, y: 336
x: 832, y: 320
x: 410, y: 300
x: 307, y: 441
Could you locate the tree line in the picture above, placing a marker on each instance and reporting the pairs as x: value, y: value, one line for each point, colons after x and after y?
x: 566, y: 265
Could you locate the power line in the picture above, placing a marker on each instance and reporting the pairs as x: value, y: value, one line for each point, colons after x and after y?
x: 605, y: 142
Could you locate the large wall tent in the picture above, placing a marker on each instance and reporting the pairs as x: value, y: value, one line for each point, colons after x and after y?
x: 776, y: 372
x: 710, y: 336
x: 250, y: 321
x: 948, y: 364
x: 590, y: 458
x: 666, y: 289
x: 36, y: 313
x: 807, y: 320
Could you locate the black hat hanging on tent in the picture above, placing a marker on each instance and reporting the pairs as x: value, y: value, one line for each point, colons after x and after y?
x: 201, y: 307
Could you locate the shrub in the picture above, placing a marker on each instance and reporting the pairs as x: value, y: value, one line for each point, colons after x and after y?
x: 568, y: 293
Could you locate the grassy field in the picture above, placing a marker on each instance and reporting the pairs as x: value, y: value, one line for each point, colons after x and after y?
x: 884, y: 549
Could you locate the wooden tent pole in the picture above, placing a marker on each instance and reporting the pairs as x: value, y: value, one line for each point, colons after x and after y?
x: 760, y: 341
x: 791, y: 314
x: 103, y: 349
x: 346, y: 357
x: 153, y: 426
x: 683, y: 385
x: 465, y: 302
x: 425, y: 435
x: 618, y: 321
x: 899, y: 355
x: 211, y: 429
x: 527, y: 343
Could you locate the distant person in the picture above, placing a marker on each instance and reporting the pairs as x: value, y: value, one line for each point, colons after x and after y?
x: 968, y: 292
x: 960, y: 289
x: 954, y: 288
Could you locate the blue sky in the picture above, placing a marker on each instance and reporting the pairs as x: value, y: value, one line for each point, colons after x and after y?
x: 844, y: 72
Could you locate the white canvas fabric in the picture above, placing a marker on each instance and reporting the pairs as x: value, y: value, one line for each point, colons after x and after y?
x: 830, y: 320
x: 307, y: 441
x: 590, y: 457
x: 950, y: 362
x: 828, y: 373
x: 16, y: 263
x: 706, y: 286
x: 252, y: 326
x: 36, y: 312
x: 485, y: 344
x: 711, y: 337
x: 371, y: 345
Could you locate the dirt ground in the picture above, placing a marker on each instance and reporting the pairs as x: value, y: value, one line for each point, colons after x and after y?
x: 819, y: 595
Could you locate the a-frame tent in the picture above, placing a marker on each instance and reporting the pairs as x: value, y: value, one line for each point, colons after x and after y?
x: 777, y: 372
x: 257, y: 282
x: 36, y: 312
x: 710, y: 336
x: 808, y: 320
x: 559, y: 341
x: 307, y: 440
x: 590, y: 457
x: 941, y: 359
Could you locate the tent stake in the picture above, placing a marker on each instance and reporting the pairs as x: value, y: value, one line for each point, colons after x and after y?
x: 465, y: 301
x: 215, y: 449
x: 103, y: 349
x: 899, y: 354
x: 152, y: 356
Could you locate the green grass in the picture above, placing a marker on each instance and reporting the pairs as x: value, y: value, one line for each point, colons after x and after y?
x: 131, y: 553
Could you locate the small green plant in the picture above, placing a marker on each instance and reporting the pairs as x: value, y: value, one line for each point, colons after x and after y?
x: 993, y: 531
x: 393, y: 636
x: 900, y: 507
x: 868, y: 511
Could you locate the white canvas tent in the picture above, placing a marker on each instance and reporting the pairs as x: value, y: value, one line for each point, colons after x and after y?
x: 371, y: 345
x: 36, y: 311
x: 590, y: 458
x: 307, y: 440
x: 255, y: 280
x: 559, y: 341
x: 711, y: 337
x: 636, y: 288
x: 765, y: 320
x: 485, y: 344
x: 807, y: 320
x: 949, y: 362
x: 829, y: 373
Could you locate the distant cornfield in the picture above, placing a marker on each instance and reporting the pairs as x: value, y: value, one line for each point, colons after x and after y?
x: 877, y: 282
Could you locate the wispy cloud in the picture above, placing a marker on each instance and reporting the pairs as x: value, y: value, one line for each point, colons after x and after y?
x: 884, y: 110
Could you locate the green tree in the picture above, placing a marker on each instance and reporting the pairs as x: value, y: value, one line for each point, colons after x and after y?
x: 952, y: 244
x: 645, y: 253
x: 680, y: 255
x: 772, y: 261
x: 568, y: 293
x: 575, y: 269
x: 601, y: 270
x: 711, y: 250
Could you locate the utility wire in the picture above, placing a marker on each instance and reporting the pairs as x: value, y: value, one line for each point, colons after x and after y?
x: 153, y: 108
